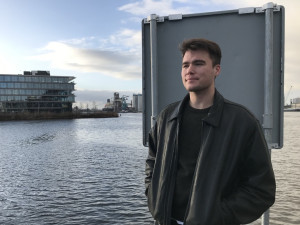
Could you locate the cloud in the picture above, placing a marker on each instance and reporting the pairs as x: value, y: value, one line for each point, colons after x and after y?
x: 166, y: 7
x: 117, y: 56
x: 128, y: 39
x: 145, y: 8
x: 7, y: 67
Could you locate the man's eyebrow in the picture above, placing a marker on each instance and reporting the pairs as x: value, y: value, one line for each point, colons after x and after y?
x: 194, y: 61
x: 198, y: 61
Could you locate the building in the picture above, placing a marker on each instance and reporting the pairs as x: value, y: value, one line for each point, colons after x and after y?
x: 137, y: 102
x: 117, y: 104
x: 36, y: 91
x: 296, y: 101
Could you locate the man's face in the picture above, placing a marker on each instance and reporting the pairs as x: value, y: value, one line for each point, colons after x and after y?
x: 198, y: 73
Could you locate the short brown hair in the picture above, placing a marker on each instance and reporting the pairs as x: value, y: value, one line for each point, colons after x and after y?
x: 211, y: 47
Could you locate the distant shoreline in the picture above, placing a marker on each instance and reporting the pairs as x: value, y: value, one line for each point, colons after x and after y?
x: 292, y: 110
x: 50, y: 116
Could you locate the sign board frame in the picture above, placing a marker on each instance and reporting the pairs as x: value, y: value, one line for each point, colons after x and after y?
x: 252, y: 74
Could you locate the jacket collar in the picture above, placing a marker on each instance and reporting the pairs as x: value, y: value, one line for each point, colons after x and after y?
x: 214, y: 114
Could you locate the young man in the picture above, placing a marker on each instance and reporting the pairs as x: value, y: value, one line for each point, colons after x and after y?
x: 208, y: 161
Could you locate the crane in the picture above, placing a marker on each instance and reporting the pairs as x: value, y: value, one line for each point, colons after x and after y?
x: 124, y: 103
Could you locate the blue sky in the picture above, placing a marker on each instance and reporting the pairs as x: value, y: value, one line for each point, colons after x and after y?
x: 99, y: 41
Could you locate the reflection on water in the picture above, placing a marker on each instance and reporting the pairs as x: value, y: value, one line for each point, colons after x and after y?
x: 40, y: 139
x: 91, y: 171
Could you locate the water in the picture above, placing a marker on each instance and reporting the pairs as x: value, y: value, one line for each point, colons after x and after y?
x: 85, y: 171
x: 91, y: 171
x: 286, y: 164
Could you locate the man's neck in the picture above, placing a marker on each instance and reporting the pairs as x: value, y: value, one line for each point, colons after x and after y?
x: 202, y: 100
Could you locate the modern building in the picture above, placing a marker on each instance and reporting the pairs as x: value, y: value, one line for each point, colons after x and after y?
x: 137, y: 102
x: 36, y: 91
x: 296, y: 101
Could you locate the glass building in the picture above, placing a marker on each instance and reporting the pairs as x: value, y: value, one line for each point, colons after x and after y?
x: 36, y: 91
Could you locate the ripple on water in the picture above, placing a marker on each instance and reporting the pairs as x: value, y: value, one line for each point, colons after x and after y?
x: 91, y: 171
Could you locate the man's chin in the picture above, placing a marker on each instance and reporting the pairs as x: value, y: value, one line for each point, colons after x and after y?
x: 194, y: 89
x: 198, y: 90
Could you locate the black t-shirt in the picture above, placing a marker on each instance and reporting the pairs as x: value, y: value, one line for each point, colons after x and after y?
x: 188, y: 150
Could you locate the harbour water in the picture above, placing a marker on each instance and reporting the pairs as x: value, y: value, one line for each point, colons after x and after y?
x: 91, y: 171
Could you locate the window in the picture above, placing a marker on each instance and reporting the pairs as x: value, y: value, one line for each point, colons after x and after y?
x: 7, y: 78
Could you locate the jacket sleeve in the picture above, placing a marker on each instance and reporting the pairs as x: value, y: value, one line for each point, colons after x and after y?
x: 256, y: 191
x: 150, y: 161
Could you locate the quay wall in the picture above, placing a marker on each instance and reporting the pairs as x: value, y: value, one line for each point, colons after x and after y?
x: 49, y: 115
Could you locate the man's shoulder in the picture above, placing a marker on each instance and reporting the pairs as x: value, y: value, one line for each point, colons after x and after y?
x: 239, y: 110
x: 171, y: 107
x: 169, y: 110
x: 232, y: 107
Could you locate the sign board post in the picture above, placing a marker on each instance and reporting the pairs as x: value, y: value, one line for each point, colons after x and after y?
x: 268, y: 87
x: 153, y: 48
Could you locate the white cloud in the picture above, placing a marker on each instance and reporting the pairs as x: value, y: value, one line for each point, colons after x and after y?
x: 147, y: 7
x: 127, y: 39
x: 119, y: 55
x: 7, y: 67
x: 144, y: 8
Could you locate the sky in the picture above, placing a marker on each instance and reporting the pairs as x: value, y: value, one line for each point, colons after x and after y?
x: 99, y: 41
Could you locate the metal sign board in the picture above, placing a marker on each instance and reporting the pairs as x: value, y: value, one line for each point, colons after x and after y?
x: 241, y: 35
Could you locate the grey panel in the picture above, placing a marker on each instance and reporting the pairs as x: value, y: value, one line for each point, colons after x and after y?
x: 242, y: 40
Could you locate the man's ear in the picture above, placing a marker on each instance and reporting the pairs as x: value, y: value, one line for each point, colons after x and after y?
x: 217, y: 69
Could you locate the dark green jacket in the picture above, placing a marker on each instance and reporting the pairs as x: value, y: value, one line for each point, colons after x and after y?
x: 233, y: 181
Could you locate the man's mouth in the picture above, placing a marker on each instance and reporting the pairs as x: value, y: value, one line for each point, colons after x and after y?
x: 191, y: 79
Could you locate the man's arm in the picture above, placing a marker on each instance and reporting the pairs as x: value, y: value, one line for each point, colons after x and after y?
x: 256, y: 192
x: 150, y: 161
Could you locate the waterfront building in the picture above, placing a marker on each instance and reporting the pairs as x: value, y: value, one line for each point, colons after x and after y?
x: 36, y: 91
x: 295, y: 103
x: 137, y: 102
x: 117, y: 104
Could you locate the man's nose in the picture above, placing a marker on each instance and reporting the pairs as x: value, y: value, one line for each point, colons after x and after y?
x: 190, y: 69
